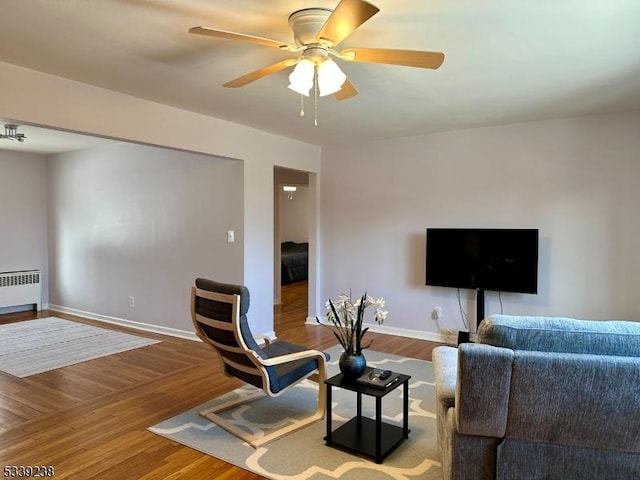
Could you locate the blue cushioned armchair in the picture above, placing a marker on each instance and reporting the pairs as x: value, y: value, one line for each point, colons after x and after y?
x: 219, y: 313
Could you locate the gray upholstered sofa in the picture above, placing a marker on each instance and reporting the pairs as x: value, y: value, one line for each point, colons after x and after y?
x: 541, y: 398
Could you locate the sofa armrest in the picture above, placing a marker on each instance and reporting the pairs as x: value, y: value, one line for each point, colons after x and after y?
x: 445, y: 367
x: 483, y: 389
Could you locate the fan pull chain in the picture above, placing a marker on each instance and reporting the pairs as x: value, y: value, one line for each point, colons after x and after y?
x: 315, y: 96
x: 315, y: 113
x: 301, y: 105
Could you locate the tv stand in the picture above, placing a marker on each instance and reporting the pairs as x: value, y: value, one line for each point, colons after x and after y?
x: 463, y: 337
x: 479, y: 307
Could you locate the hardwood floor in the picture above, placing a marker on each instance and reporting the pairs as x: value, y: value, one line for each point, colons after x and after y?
x: 89, y: 420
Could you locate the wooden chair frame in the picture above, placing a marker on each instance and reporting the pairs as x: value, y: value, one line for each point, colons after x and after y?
x: 259, y: 368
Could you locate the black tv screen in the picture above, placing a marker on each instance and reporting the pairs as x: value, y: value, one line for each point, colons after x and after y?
x: 504, y: 260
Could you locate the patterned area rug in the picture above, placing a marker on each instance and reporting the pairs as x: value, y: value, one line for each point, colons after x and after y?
x: 303, y: 455
x: 36, y: 346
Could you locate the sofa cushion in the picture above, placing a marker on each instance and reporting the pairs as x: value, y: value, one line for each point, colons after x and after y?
x: 524, y: 460
x: 558, y: 334
x: 467, y: 457
x: 571, y: 399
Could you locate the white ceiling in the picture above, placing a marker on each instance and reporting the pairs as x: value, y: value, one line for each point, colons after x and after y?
x: 505, y: 62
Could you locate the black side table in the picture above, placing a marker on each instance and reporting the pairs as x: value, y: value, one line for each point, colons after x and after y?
x: 373, y: 438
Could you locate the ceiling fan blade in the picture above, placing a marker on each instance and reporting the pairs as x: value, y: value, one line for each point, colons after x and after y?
x: 267, y: 42
x: 409, y: 58
x: 348, y: 90
x: 258, y: 74
x: 347, y: 16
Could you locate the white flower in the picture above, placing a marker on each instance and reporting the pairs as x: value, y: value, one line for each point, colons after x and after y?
x: 347, y: 317
x: 378, y: 303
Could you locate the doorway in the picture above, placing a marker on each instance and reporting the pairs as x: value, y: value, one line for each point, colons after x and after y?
x: 293, y: 242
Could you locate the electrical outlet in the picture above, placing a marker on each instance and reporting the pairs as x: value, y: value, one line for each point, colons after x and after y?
x: 132, y: 301
x: 436, y: 313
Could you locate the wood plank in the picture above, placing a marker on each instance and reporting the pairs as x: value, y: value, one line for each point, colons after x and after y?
x: 89, y: 420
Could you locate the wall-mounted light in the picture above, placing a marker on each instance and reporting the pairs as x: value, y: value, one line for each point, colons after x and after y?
x: 11, y: 133
x: 289, y: 190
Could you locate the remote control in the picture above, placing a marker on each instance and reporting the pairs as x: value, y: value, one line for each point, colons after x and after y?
x: 385, y: 374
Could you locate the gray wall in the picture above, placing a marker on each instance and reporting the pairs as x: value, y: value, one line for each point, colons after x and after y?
x: 292, y: 214
x: 131, y: 220
x: 23, y: 213
x: 575, y: 179
x: 46, y: 100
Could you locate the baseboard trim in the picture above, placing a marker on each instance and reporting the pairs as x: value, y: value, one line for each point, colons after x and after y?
x: 174, y: 332
x: 400, y: 332
x: 146, y: 327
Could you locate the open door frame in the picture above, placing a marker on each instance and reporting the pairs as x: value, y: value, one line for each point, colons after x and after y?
x: 313, y: 233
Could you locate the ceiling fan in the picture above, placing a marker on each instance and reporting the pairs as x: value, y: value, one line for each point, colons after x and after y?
x: 317, y: 32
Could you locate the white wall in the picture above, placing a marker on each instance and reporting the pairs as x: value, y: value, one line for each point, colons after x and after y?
x: 294, y: 215
x: 132, y: 220
x: 574, y: 179
x: 23, y: 213
x: 33, y: 97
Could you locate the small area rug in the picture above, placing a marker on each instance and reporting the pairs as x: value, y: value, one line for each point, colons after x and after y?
x: 303, y: 455
x: 35, y: 346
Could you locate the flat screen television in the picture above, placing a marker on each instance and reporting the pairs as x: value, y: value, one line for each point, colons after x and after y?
x: 504, y: 260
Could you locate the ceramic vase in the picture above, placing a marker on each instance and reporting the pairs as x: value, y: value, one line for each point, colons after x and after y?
x: 352, y: 366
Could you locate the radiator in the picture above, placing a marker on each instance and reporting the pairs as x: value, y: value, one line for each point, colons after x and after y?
x: 20, y: 288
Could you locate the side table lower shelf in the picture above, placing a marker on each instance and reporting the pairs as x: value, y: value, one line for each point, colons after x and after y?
x: 370, y: 437
x: 359, y: 435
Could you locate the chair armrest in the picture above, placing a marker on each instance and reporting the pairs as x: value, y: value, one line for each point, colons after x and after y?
x: 445, y: 367
x: 292, y: 357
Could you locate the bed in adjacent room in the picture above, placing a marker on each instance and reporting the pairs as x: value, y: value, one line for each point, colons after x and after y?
x: 295, y: 262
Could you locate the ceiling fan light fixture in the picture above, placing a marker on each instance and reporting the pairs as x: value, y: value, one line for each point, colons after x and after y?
x: 301, y: 79
x: 330, y: 78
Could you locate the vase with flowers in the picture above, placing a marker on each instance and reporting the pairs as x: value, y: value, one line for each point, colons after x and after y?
x: 346, y: 318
